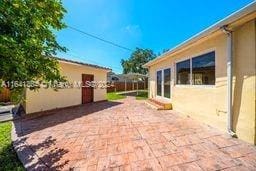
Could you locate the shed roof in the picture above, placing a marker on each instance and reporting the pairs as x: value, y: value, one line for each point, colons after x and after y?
x: 82, y: 63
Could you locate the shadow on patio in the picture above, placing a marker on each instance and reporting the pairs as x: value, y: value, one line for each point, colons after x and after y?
x: 50, y: 158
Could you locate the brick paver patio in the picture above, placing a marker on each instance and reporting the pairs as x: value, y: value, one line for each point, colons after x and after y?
x: 127, y: 135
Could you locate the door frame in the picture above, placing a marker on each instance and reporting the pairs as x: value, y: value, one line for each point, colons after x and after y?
x: 82, y: 98
x: 162, y: 82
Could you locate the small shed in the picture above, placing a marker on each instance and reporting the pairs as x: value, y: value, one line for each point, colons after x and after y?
x: 48, y: 99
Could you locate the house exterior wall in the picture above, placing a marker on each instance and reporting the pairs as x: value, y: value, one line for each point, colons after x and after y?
x: 209, y: 103
x: 47, y: 99
x: 244, y: 101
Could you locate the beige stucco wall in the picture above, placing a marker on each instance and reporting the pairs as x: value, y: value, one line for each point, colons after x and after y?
x: 245, y: 81
x: 209, y: 103
x: 47, y: 99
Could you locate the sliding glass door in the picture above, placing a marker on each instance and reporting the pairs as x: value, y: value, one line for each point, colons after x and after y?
x: 159, y: 83
x: 164, y: 83
x: 167, y: 83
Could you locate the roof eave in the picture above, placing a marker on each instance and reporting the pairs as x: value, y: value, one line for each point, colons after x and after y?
x: 81, y: 64
x: 226, y: 21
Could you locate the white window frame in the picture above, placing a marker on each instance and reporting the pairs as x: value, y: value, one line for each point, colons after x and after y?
x: 191, y: 75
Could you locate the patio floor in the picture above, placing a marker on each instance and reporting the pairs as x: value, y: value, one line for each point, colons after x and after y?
x: 126, y: 135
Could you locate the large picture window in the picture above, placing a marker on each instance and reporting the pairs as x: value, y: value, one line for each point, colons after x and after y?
x: 201, y: 73
x: 183, y: 72
x: 203, y: 69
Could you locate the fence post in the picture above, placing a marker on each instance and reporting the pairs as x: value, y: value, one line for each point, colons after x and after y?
x: 137, y: 87
x: 125, y: 87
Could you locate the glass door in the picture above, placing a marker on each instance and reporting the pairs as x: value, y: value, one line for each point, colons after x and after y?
x: 163, y: 85
x: 167, y: 83
x: 159, y: 83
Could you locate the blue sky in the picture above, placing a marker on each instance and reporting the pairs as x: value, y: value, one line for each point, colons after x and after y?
x: 153, y: 24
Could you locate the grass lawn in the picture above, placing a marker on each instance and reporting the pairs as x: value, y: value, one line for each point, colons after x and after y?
x: 114, y: 96
x: 8, y: 157
x: 142, y: 95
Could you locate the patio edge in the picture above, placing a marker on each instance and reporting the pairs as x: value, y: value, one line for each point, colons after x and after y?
x: 26, y: 155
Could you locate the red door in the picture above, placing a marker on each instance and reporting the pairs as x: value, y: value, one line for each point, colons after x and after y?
x: 87, y: 91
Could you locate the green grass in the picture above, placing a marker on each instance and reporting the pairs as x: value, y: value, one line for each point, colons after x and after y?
x: 8, y: 157
x: 114, y: 96
x: 142, y: 95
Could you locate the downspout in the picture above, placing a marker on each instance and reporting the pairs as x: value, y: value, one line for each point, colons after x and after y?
x: 229, y: 80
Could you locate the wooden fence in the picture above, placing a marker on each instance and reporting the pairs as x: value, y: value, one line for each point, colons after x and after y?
x: 5, y: 95
x: 120, y: 86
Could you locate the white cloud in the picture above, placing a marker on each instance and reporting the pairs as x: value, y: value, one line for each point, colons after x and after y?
x: 132, y: 30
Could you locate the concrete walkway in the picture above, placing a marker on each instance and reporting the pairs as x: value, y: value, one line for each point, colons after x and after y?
x: 126, y: 135
x: 6, y: 117
x: 6, y: 113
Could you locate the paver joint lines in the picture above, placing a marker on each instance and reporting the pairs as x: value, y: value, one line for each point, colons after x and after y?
x: 128, y: 135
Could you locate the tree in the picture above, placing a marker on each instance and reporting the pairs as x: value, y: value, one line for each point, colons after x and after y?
x: 27, y: 40
x: 137, y: 59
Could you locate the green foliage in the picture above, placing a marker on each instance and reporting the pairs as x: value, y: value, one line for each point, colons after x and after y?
x: 8, y: 157
x: 27, y: 40
x: 142, y: 95
x: 114, y: 96
x: 138, y: 58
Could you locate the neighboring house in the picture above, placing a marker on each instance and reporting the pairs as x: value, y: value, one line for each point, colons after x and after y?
x: 211, y: 76
x: 47, y: 99
x: 113, y: 77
